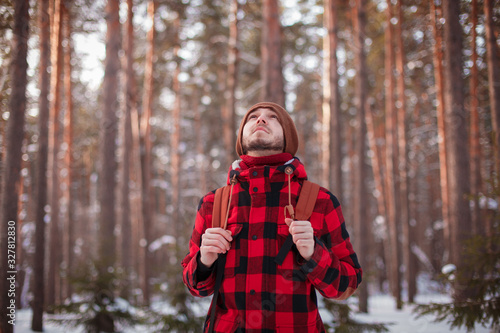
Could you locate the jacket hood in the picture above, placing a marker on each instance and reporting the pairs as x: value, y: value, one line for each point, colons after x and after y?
x: 242, y: 173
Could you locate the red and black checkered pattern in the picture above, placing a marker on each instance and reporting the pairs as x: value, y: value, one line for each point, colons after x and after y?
x: 258, y: 295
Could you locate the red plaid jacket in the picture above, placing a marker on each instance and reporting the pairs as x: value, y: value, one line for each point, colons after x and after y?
x: 258, y: 295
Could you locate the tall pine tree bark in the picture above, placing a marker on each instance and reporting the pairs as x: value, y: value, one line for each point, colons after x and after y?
x: 270, y: 47
x: 176, y: 140
x: 493, y: 59
x: 69, y: 160
x: 436, y: 15
x: 14, y: 136
x: 136, y: 175
x: 332, y: 138
x: 404, y: 217
x: 456, y: 139
x: 179, y: 292
x: 391, y: 156
x: 361, y: 190
x: 200, y: 150
x: 377, y: 168
x: 376, y: 161
x: 232, y: 74
x: 475, y: 149
x: 24, y: 189
x: 129, y: 107
x: 41, y: 170
x: 146, y: 151
x: 107, y: 152
x: 55, y: 254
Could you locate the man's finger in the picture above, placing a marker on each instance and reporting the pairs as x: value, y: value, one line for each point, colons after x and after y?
x: 301, y: 223
x: 219, y: 231
x: 216, y: 243
x: 217, y: 238
x: 300, y: 226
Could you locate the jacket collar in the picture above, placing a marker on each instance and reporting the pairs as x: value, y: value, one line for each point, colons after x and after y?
x: 243, y: 173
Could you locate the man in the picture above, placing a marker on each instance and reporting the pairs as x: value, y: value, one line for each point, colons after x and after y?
x: 259, y: 294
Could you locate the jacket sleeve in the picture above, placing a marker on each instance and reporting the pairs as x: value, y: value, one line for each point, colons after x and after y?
x: 333, y: 268
x: 190, y: 263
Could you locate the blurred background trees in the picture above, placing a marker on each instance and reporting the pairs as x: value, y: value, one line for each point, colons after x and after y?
x: 131, y: 112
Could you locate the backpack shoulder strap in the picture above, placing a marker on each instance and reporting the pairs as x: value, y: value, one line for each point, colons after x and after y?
x: 303, y: 211
x: 221, y: 202
x: 307, y: 200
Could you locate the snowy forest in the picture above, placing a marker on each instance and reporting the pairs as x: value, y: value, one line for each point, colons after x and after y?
x: 118, y: 116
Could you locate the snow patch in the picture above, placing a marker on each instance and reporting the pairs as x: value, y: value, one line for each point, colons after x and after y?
x: 448, y: 269
x: 158, y: 243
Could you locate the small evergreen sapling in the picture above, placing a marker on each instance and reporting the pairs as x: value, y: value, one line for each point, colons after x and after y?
x: 343, y: 323
x: 94, y: 305
x: 481, y: 274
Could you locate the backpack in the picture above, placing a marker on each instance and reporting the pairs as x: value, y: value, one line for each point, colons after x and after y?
x: 220, y: 214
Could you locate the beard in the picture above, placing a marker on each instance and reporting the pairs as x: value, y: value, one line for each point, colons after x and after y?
x: 262, y: 145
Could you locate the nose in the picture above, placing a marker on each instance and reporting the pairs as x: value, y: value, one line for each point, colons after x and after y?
x: 261, y: 119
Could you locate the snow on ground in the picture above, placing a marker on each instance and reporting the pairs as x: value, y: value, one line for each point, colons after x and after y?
x: 23, y: 323
x: 382, y: 309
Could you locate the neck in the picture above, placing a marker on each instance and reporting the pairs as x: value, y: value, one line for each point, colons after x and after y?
x: 263, y: 153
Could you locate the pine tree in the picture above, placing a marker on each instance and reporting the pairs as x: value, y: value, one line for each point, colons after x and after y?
x: 12, y: 158
x: 42, y: 157
x: 482, y: 256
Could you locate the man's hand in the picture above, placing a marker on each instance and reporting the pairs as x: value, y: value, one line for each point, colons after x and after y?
x: 213, y: 242
x: 303, y: 237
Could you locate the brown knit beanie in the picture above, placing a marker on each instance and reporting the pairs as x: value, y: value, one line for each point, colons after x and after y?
x: 289, y: 130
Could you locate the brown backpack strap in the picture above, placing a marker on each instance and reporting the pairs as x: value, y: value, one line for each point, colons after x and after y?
x: 307, y: 200
x: 220, y: 206
x: 222, y: 201
x: 303, y: 211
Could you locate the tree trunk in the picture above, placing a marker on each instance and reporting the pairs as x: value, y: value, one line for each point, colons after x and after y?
x: 41, y: 171
x: 232, y: 74
x: 69, y: 160
x: 147, y: 112
x: 24, y: 190
x: 175, y: 140
x: 493, y: 81
x: 475, y: 149
x: 332, y: 138
x: 391, y: 154
x: 404, y: 216
x: 136, y: 174
x: 360, y: 191
x: 129, y: 107
x: 55, y: 256
x: 456, y: 139
x: 376, y: 161
x: 14, y: 136
x: 200, y: 150
x: 108, y: 134
x: 271, y: 71
x: 436, y: 14
x: 178, y: 290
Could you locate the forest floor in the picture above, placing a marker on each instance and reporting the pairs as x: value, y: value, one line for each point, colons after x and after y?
x: 381, y: 310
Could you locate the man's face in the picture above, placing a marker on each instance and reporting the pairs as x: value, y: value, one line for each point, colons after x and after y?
x: 262, y: 133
